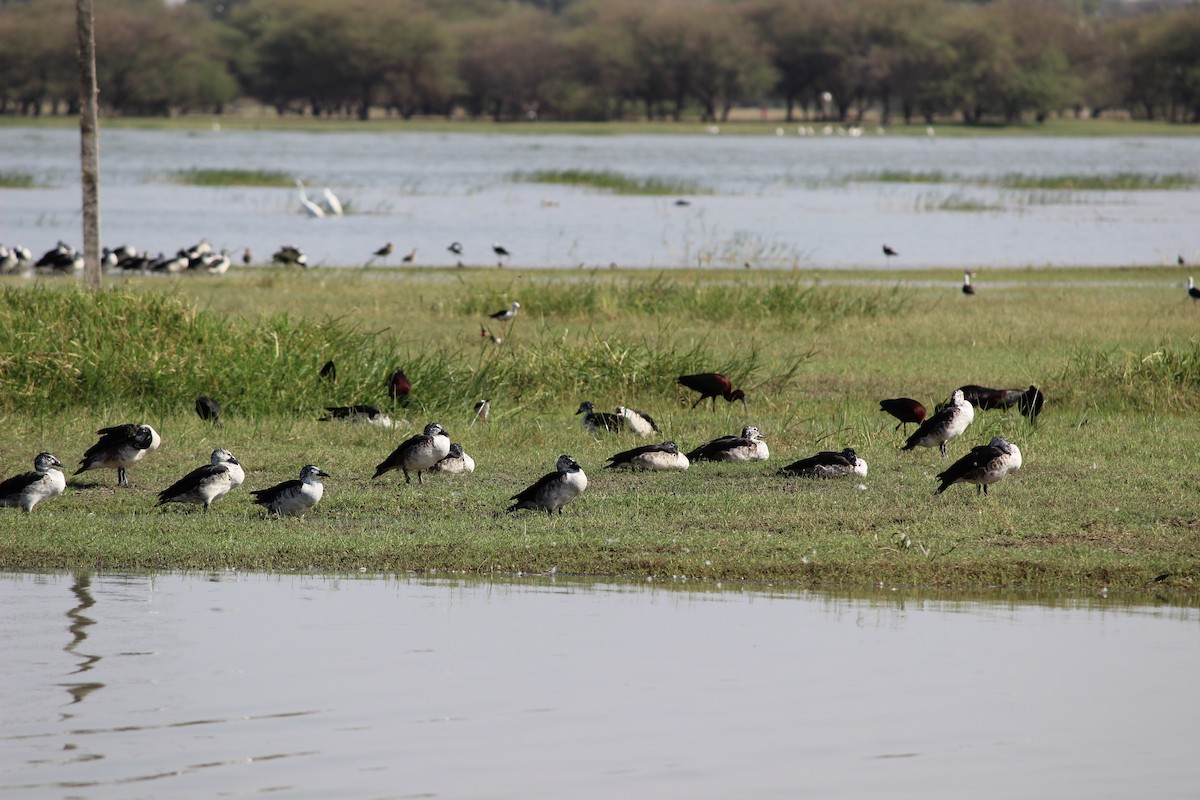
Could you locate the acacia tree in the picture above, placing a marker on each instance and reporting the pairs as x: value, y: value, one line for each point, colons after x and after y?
x: 37, y: 57
x: 510, y: 64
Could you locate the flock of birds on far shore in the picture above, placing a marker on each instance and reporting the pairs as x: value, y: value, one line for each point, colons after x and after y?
x: 122, y: 446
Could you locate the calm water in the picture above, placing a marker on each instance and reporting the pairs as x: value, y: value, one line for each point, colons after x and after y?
x: 771, y: 201
x: 235, y: 685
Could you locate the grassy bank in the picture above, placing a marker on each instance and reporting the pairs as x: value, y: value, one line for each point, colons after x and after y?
x: 1107, y: 496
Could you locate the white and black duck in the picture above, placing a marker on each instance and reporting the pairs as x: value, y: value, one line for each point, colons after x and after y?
x: 828, y: 464
x: 290, y: 256
x: 14, y: 259
x: 599, y: 421
x: 26, y: 490
x: 62, y: 258
x: 296, y: 497
x: 749, y: 446
x: 983, y: 466
x: 205, y: 484
x: 638, y: 422
x: 553, y: 491
x: 456, y: 462
x: 120, y: 447
x: 358, y: 415
x: 948, y: 423
x: 418, y: 453
x: 654, y: 457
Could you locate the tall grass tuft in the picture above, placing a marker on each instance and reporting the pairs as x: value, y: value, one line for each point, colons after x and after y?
x: 233, y: 177
x: 16, y: 180
x: 1163, y: 379
x: 609, y: 181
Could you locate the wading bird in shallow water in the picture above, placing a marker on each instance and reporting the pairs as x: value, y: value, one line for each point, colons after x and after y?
x: 948, y: 423
x: 904, y: 409
x: 501, y: 253
x: 418, y: 453
x: 382, y: 252
x: 120, y: 446
x: 306, y: 205
x: 553, y: 491
x: 983, y: 466
x: 889, y: 252
x: 827, y: 464
x: 206, y: 484
x: 26, y: 490
x: 714, y: 385
x: 296, y: 497
x: 652, y: 457
x: 749, y: 446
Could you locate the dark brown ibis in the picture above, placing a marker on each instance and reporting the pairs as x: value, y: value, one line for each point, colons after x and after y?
x: 714, y: 385
x: 399, y: 387
x: 905, y: 409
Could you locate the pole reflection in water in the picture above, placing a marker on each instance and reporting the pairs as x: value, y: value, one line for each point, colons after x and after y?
x: 80, y: 622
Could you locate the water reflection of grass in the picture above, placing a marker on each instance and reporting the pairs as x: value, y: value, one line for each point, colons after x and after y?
x: 233, y: 177
x: 16, y: 180
x: 609, y: 181
x: 1116, y: 182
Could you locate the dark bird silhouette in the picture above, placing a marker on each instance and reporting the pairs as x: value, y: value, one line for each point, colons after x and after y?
x: 714, y: 385
x: 290, y: 256
x: 1180, y: 260
x: 889, y: 252
x: 553, y: 491
x: 967, y: 288
x: 208, y: 409
x: 120, y: 446
x: 828, y: 464
x: 904, y: 409
x: 384, y: 251
x: 501, y: 253
x: 412, y: 255
x: 1031, y: 402
x: 247, y: 257
x: 984, y: 397
x: 1193, y: 292
x: 456, y: 248
x: 399, y: 386
x: 683, y: 203
x: 328, y: 371
x: 599, y: 421
x: 983, y: 466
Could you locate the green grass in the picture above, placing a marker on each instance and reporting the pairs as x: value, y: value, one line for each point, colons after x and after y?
x: 233, y: 177
x: 16, y: 180
x: 1117, y: 182
x: 609, y: 181
x: 1107, y: 496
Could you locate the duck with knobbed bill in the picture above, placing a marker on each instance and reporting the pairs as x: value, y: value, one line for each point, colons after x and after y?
x: 638, y: 422
x: 456, y: 462
x: 358, y: 415
x: 26, y: 490
x: 595, y: 421
x: 983, y: 466
x: 120, y: 447
x: 749, y: 446
x: 295, y: 497
x: 905, y: 409
x: 651, y: 457
x: 553, y: 491
x: 418, y: 453
x: 712, y: 385
x: 828, y: 464
x: 208, y: 409
x: 507, y: 314
x: 948, y: 423
x: 208, y: 483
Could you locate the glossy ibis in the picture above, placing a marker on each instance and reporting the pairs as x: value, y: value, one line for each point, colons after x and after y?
x: 714, y: 385
x: 208, y: 409
x: 399, y: 386
x: 905, y: 409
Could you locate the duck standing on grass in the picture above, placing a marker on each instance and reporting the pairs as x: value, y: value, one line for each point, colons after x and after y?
x: 946, y: 424
x: 120, y: 446
x: 655, y: 457
x: 30, y: 488
x: 294, y: 498
x: 828, y: 464
x: 983, y: 466
x: 208, y: 483
x: 553, y: 491
x: 418, y: 453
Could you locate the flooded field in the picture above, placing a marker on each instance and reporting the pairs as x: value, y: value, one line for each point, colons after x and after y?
x: 779, y: 202
x: 123, y: 686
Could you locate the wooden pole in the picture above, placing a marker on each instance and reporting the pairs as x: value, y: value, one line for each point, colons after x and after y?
x: 89, y: 138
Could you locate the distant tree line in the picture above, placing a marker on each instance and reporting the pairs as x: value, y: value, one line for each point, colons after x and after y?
x: 614, y: 59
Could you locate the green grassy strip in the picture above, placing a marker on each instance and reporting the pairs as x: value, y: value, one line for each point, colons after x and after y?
x: 1117, y: 182
x: 232, y: 177
x: 16, y: 180
x: 609, y: 181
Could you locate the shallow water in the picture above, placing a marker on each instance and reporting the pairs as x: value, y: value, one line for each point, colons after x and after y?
x: 768, y: 201
x: 234, y: 685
